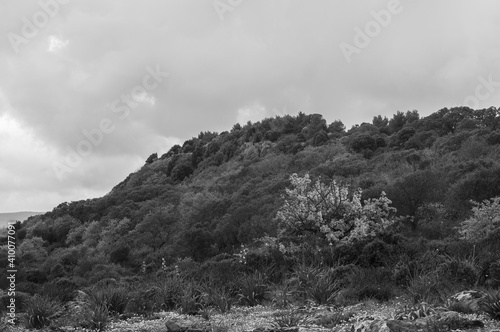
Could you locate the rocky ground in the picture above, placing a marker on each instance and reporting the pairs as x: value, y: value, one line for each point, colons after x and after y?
x: 368, y: 316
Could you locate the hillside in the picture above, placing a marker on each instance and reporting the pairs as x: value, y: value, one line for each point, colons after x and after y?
x: 221, y: 191
x: 284, y: 212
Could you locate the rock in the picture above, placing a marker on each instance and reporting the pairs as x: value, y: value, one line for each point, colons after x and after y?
x: 454, y: 321
x: 278, y: 329
x: 465, y: 301
x: 174, y: 327
x: 371, y: 326
x: 402, y: 326
x: 466, y: 296
x: 445, y: 321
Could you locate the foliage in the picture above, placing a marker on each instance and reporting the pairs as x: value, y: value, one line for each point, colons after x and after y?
x: 282, y: 295
x: 484, y: 223
x: 490, y: 304
x: 115, y: 299
x: 368, y: 283
x: 198, y: 205
x: 97, y: 317
x: 318, y: 211
x: 429, y: 287
x: 253, y: 288
x: 191, y: 299
x: 419, y: 310
x: 219, y: 297
x: 41, y: 311
x: 316, y: 283
x: 290, y: 318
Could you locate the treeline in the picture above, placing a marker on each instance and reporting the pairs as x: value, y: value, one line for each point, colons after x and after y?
x: 217, y: 192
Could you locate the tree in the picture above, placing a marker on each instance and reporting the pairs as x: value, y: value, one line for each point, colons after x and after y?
x: 363, y: 142
x: 413, y: 191
x: 152, y: 158
x: 484, y: 223
x: 337, y: 128
x: 319, y: 214
x: 381, y: 124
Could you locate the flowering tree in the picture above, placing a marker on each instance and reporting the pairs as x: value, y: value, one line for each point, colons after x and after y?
x: 484, y: 223
x: 318, y: 214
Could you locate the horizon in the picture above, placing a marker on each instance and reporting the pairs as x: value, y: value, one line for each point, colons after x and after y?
x: 82, y: 108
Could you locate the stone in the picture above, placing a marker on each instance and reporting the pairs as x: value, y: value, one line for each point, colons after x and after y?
x: 402, y: 326
x: 454, y: 321
x: 174, y: 327
x: 465, y: 301
x: 371, y: 326
x: 466, y: 296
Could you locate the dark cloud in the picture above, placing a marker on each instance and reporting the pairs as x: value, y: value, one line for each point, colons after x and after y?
x: 266, y: 58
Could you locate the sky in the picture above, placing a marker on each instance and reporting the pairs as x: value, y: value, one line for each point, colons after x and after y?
x: 90, y: 88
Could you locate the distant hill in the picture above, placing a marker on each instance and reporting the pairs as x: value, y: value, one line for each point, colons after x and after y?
x: 14, y: 216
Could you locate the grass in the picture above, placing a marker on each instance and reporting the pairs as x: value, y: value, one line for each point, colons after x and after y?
x: 40, y: 311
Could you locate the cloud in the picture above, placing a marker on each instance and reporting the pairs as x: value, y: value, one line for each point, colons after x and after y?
x: 266, y: 58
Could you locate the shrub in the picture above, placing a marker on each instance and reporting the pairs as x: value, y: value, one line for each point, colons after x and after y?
x: 463, y: 271
x: 145, y: 302
x: 115, y: 299
x: 282, y: 295
x: 370, y: 283
x: 319, y: 214
x: 90, y: 310
x: 290, y: 318
x: 324, y: 289
x: 420, y: 310
x: 60, y: 289
x: 221, y: 298
x: 429, y: 287
x: 316, y: 283
x: 491, y: 304
x: 97, y: 317
x: 485, y: 222
x: 21, y: 301
x: 40, y: 311
x: 252, y: 289
x: 190, y: 301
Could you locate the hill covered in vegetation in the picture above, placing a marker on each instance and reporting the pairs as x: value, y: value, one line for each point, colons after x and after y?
x: 286, y: 210
x: 221, y: 191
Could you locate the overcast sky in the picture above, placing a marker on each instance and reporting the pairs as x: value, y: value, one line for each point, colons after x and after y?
x: 90, y: 88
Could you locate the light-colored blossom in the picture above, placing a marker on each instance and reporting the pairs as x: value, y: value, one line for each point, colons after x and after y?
x: 326, y: 212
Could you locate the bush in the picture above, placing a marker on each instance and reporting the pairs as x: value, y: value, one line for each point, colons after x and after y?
x: 289, y: 318
x: 484, y: 225
x: 429, y: 287
x: 163, y: 294
x: 282, y: 295
x: 319, y: 284
x: 460, y: 271
x: 252, y: 289
x: 190, y: 301
x: 115, y: 299
x: 97, y: 317
x: 41, y: 311
x: 21, y: 301
x: 369, y: 283
x: 221, y: 298
x: 60, y: 289
x: 491, y: 304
